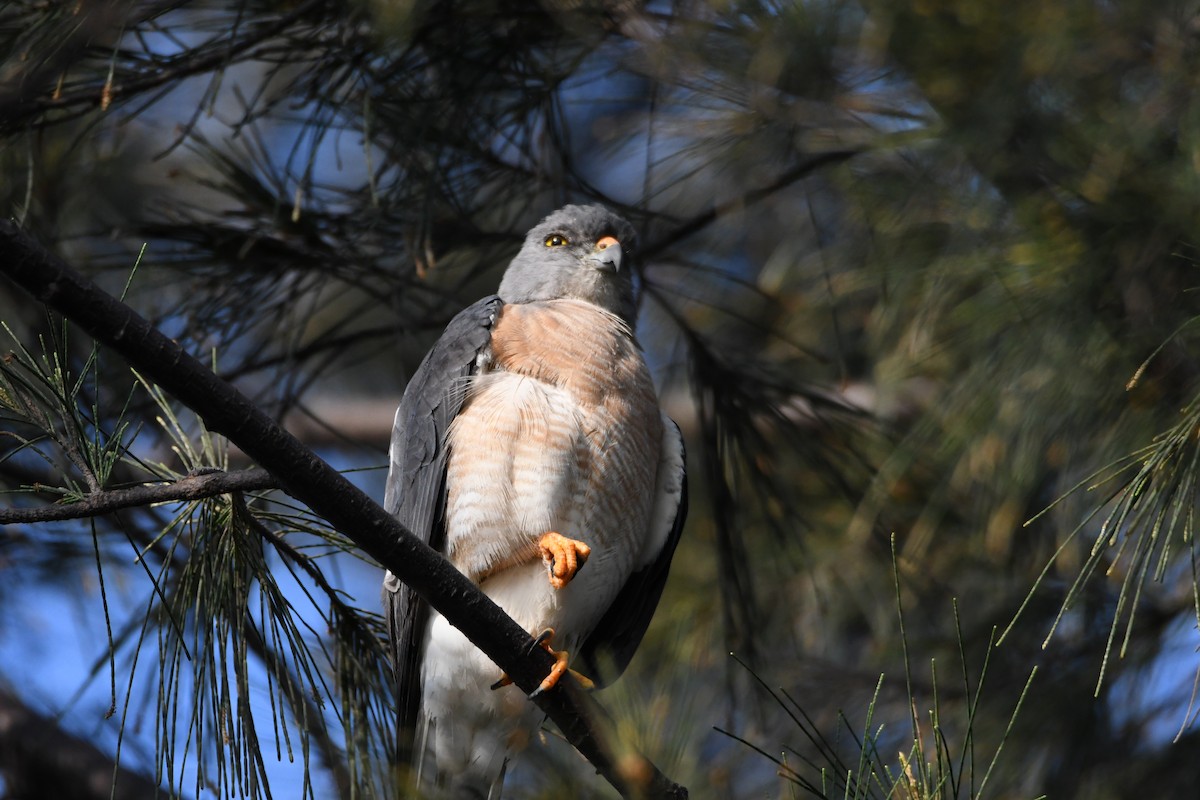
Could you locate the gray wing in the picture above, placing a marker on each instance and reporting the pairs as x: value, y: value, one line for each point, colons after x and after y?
x: 415, y: 492
x: 612, y: 643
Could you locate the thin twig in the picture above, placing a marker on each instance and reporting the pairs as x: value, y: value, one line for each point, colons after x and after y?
x: 192, y: 487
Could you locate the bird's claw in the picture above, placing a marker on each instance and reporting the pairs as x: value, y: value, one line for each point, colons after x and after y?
x: 541, y: 640
x: 561, y: 658
x: 563, y: 557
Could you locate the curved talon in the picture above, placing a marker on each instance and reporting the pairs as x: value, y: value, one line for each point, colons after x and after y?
x: 540, y: 641
x: 563, y: 557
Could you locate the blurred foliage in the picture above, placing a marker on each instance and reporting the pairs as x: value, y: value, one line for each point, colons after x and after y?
x: 914, y: 269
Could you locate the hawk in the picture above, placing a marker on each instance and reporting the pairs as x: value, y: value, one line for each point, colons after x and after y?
x: 530, y: 449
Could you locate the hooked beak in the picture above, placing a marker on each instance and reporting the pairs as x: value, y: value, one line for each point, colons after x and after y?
x: 607, y: 255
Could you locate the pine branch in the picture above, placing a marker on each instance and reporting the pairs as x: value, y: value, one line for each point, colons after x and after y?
x: 340, y: 609
x: 192, y: 487
x: 307, y: 478
x: 706, y: 218
x: 18, y: 94
x: 17, y: 106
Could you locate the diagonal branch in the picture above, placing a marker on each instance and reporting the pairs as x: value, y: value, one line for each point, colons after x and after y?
x: 39, y: 758
x: 192, y: 487
x: 304, y: 476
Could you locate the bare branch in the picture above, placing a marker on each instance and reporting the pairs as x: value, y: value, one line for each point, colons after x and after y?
x: 192, y: 487
x: 40, y: 759
x: 310, y: 480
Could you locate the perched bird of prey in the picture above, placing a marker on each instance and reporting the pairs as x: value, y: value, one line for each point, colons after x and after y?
x: 529, y: 448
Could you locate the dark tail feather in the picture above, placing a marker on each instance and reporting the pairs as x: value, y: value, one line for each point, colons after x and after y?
x: 407, y: 616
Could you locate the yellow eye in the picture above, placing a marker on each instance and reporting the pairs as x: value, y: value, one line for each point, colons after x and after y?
x: 556, y: 241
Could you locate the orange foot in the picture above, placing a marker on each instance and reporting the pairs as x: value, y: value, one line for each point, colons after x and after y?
x: 560, y: 657
x: 556, y: 672
x: 563, y: 557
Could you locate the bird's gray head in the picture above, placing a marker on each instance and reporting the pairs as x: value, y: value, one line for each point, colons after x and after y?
x: 579, y: 252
